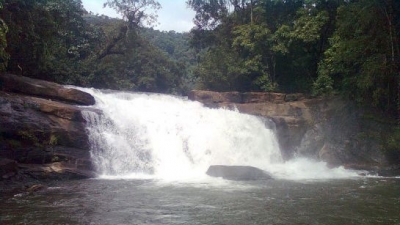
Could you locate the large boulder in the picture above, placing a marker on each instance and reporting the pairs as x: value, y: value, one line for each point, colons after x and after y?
x: 8, y: 168
x: 38, y: 132
x: 237, y: 173
x: 44, y: 89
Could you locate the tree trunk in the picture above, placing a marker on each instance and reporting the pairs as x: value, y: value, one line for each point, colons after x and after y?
x: 110, y: 46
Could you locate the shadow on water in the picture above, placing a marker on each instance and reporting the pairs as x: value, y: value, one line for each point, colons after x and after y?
x: 351, y: 201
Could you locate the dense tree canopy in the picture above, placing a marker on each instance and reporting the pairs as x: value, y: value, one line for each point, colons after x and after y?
x: 363, y: 58
x: 312, y: 46
x: 58, y: 40
x: 136, y: 12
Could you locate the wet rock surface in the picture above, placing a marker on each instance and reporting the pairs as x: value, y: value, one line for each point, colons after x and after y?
x: 327, y: 129
x: 238, y: 173
x: 43, y: 89
x: 42, y: 129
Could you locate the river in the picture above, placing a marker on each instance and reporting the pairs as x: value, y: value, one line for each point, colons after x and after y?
x: 152, y: 151
x: 147, y: 201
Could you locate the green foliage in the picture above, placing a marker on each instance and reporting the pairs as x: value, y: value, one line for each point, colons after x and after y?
x: 311, y: 46
x: 4, y: 56
x: 323, y: 86
x: 136, y: 12
x: 308, y: 25
x: 136, y: 65
x: 176, y: 47
x: 221, y: 69
x: 280, y: 43
x: 255, y: 43
x: 56, y: 40
x: 48, y: 38
x: 209, y: 13
x: 361, y: 59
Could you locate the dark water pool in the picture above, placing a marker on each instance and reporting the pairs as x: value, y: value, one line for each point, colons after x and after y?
x: 357, y: 201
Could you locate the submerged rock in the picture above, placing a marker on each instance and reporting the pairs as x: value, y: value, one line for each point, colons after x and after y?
x: 237, y: 173
x: 8, y: 168
x: 36, y: 188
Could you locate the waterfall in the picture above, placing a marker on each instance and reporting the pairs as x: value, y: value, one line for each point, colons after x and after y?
x: 169, y: 137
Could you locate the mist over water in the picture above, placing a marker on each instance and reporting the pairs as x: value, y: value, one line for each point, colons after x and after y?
x: 166, y: 137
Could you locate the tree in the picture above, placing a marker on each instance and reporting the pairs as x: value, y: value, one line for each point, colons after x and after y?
x: 209, y: 13
x: 279, y: 42
x: 363, y: 59
x: 48, y: 39
x: 136, y: 12
x: 255, y: 44
x: 302, y: 43
x: 221, y: 69
x: 4, y: 56
x: 140, y: 66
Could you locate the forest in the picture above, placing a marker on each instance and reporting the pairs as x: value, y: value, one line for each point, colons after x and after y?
x: 318, y: 47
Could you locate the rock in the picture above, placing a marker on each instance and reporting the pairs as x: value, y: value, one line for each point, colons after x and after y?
x: 237, y: 173
x: 393, y: 171
x: 213, y: 99
x: 36, y: 188
x: 292, y: 118
x: 56, y: 171
x: 41, y: 122
x: 44, y: 89
x: 8, y: 168
x: 328, y: 154
x: 42, y: 132
x: 312, y: 142
x: 263, y: 97
x: 331, y: 129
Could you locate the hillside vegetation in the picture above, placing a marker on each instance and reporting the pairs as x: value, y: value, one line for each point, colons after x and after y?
x: 319, y: 47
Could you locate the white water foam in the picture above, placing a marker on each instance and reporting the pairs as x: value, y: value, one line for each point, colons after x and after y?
x: 165, y: 137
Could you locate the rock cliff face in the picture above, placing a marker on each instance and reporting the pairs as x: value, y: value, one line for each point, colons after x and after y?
x: 42, y: 129
x: 331, y: 130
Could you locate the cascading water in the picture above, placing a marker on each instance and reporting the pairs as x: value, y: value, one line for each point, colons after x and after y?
x: 168, y: 137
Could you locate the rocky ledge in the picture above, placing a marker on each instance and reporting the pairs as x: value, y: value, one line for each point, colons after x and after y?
x: 327, y: 129
x: 42, y: 131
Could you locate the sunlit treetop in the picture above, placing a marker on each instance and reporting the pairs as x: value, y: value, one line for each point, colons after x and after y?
x: 137, y: 13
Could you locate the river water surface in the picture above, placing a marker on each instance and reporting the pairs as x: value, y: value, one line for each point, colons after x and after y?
x: 349, y: 201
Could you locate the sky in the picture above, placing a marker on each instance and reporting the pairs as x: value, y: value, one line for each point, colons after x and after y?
x: 174, y: 14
